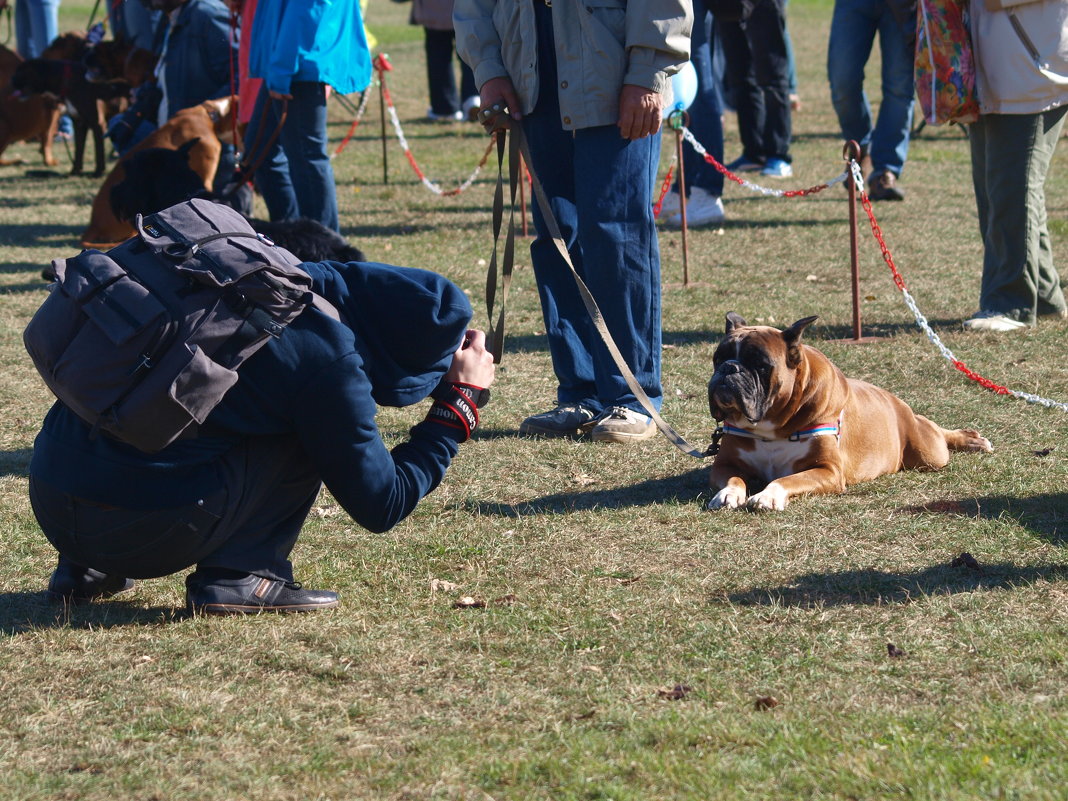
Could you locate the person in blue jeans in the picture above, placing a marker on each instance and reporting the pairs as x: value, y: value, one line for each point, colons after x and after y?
x: 591, y: 113
x: 757, y: 64
x: 299, y: 48
x: 704, y: 183
x: 36, y: 26
x: 854, y: 26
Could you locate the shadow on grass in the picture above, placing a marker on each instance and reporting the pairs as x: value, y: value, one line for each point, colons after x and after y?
x: 32, y: 611
x: 1044, y: 515
x: 685, y: 488
x: 16, y: 463
x: 873, y: 586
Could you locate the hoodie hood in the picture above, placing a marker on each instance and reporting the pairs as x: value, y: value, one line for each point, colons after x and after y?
x: 408, y: 323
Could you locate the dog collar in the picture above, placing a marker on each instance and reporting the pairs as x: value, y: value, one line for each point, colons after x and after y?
x: 822, y: 430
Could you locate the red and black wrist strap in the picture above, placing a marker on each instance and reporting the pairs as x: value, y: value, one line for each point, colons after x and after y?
x: 456, y: 406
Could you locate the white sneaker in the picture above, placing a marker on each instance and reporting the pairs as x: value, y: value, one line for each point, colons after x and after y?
x: 433, y: 116
x: 471, y: 108
x: 703, y: 208
x: 670, y: 205
x: 992, y: 321
x: 619, y: 424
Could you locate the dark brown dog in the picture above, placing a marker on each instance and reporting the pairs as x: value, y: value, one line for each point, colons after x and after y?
x: 83, y: 98
x: 208, y: 122
x: 793, y: 424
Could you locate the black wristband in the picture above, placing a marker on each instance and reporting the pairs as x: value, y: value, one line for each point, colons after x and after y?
x: 479, y: 396
x: 454, y: 407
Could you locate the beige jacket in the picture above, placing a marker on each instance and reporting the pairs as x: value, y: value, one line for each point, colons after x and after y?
x: 1021, y: 54
x: 600, y: 45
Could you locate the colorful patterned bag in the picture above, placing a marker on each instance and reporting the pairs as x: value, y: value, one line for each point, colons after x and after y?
x: 945, y: 69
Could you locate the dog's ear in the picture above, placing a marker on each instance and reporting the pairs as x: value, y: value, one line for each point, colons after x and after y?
x: 735, y: 320
x: 792, y: 335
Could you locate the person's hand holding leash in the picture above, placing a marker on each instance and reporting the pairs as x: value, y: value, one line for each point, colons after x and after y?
x: 497, y: 94
x: 640, y: 110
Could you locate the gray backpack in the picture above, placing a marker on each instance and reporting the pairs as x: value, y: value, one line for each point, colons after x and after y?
x: 143, y: 341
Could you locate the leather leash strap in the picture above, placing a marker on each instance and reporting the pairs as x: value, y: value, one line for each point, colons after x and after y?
x: 519, y: 146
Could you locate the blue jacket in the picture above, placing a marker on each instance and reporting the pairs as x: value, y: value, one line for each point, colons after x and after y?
x: 310, y: 40
x: 199, y: 54
x: 322, y: 382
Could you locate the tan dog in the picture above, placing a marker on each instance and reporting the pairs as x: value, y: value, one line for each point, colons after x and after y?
x: 795, y: 425
x: 209, y: 122
x: 25, y: 118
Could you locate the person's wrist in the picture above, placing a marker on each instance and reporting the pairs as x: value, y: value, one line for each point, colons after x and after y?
x: 456, y: 407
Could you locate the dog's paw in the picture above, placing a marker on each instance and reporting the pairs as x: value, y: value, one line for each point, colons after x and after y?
x: 772, y: 498
x: 728, y: 498
x: 974, y: 442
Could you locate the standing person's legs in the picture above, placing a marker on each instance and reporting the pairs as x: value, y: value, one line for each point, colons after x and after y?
x: 766, y: 31
x: 890, y: 140
x: 614, y: 180
x: 304, y: 141
x: 439, y: 46
x: 272, y: 176
x: 706, y: 116
x: 748, y: 97
x: 1011, y: 154
x: 36, y: 26
x: 853, y: 27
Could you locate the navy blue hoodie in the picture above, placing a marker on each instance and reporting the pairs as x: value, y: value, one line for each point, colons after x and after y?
x: 321, y: 381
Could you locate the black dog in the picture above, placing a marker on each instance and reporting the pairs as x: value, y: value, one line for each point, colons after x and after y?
x: 158, y: 178
x: 84, y: 100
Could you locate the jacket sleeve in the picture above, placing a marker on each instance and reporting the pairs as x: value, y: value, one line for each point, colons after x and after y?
x: 477, y: 40
x: 657, y: 41
x: 294, y: 35
x: 377, y: 486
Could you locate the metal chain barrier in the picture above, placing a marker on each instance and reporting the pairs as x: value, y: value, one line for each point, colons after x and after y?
x: 382, y: 65
x: 921, y: 320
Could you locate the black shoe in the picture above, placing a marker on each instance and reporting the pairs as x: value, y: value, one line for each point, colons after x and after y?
x: 71, y: 583
x: 883, y: 186
x: 250, y: 594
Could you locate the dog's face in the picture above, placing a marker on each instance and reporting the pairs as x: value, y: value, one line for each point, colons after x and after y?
x: 754, y: 367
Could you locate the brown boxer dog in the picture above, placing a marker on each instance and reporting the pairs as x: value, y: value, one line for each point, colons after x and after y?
x: 793, y: 424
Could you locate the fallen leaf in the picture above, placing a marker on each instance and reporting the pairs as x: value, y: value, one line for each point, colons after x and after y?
x: 443, y: 585
x: 812, y: 278
x: 1043, y: 452
x: 628, y: 580
x: 894, y: 652
x: 326, y: 511
x: 764, y: 703
x: 968, y: 561
x: 676, y: 693
x: 582, y: 480
x: 505, y: 600
x: 468, y: 602
x: 869, y: 297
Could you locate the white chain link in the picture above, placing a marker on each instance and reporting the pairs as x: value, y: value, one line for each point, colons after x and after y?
x: 433, y: 187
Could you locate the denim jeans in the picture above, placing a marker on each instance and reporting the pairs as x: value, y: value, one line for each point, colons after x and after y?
x: 600, y: 189
x: 440, y: 49
x: 295, y: 178
x: 250, y: 524
x: 853, y: 28
x: 36, y: 25
x: 758, y: 73
x: 706, y: 114
x: 1011, y: 154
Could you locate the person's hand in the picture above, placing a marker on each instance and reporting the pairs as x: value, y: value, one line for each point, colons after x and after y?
x: 640, y: 110
x: 498, y: 92
x: 280, y: 96
x: 472, y: 364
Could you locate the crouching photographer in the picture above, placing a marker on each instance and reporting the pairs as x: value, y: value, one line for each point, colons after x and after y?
x: 231, y: 498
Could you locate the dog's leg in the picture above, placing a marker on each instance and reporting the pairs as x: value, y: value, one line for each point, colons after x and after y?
x: 732, y: 496
x: 80, y: 131
x: 814, y: 481
x: 49, y: 138
x: 967, y: 439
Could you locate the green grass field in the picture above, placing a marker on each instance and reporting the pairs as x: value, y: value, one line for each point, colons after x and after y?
x: 630, y: 640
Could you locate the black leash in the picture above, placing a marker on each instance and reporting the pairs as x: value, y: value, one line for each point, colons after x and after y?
x: 503, y: 126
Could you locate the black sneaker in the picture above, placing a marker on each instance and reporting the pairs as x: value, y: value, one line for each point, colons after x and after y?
x: 566, y: 420
x: 884, y: 186
x: 250, y: 594
x: 73, y: 584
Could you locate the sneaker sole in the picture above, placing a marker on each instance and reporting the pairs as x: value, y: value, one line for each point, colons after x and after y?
x: 252, y: 609
x: 621, y: 436
x: 550, y: 433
